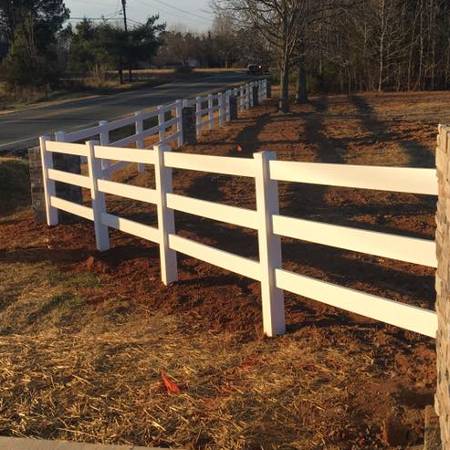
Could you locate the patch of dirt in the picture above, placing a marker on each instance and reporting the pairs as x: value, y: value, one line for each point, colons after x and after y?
x: 335, y: 381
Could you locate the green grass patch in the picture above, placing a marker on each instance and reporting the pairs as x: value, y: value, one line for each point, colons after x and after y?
x: 73, y: 280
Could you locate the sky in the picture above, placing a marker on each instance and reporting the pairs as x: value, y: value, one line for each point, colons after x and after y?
x: 193, y: 15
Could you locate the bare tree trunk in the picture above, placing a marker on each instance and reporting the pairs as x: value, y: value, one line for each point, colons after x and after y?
x: 283, y: 105
x: 302, y: 90
x: 447, y: 65
x: 381, y: 48
x: 421, y: 53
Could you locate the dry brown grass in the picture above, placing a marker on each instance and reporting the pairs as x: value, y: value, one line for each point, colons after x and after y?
x: 103, y: 385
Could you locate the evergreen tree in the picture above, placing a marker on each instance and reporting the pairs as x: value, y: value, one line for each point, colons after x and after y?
x: 110, y: 46
x: 29, y: 29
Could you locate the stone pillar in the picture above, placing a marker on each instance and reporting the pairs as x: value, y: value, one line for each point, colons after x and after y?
x: 442, y: 398
x: 37, y: 185
x: 269, y: 88
x: 255, y: 95
x: 189, y: 127
x: 233, y: 107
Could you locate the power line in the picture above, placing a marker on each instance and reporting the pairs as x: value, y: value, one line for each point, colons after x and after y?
x: 94, y: 18
x: 173, y: 14
x: 184, y: 11
x: 205, y: 11
x: 135, y: 21
x: 180, y: 14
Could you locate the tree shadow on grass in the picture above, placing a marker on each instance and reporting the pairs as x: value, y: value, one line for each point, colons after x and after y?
x: 419, y: 155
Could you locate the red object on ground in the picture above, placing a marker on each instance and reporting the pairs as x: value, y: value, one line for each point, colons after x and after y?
x: 171, y: 387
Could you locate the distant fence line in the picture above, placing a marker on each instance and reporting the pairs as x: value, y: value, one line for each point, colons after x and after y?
x: 166, y: 120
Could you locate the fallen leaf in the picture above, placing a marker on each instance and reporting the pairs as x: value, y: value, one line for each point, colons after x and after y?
x: 171, y: 387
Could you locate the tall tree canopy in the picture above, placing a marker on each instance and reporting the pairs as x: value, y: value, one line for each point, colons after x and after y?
x: 108, y: 45
x: 347, y: 45
x: 28, y: 29
x: 47, y: 17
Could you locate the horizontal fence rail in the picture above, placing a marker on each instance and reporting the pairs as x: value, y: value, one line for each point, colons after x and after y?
x: 131, y: 227
x: 223, y: 213
x: 224, y: 165
x: 412, y: 318
x: 402, y: 248
x: 397, y: 179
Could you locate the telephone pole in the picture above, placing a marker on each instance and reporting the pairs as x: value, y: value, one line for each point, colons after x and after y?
x: 124, y: 9
x: 125, y: 25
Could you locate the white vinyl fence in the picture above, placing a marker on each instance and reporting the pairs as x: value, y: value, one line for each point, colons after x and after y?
x: 168, y: 121
x: 266, y: 220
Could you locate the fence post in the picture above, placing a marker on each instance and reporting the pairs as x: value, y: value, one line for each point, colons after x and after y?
x: 139, y: 129
x: 210, y: 111
x: 227, y: 105
x: 261, y: 88
x: 221, y: 109
x: 49, y: 185
x: 248, y: 98
x: 161, y: 120
x: 442, y: 398
x: 189, y: 125
x: 232, y: 107
x: 179, y: 116
x: 198, y: 117
x: 255, y: 95
x: 60, y: 136
x: 268, y: 90
x: 166, y: 218
x: 269, y: 246
x: 242, y: 98
x: 98, y: 199
x: 104, y: 140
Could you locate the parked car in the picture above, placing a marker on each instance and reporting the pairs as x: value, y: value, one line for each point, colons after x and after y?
x: 254, y: 69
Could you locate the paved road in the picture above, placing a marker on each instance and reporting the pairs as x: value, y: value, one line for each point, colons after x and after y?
x: 19, y: 130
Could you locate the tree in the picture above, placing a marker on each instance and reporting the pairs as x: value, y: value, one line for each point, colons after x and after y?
x: 278, y: 22
x: 107, y: 45
x: 24, y: 65
x: 144, y: 41
x: 47, y: 17
x: 29, y: 29
x: 226, y: 45
x: 82, y: 49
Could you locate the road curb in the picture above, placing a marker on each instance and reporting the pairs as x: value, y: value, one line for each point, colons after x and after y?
x: 9, y: 443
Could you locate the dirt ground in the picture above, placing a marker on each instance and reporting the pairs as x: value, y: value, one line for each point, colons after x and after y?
x: 85, y: 337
